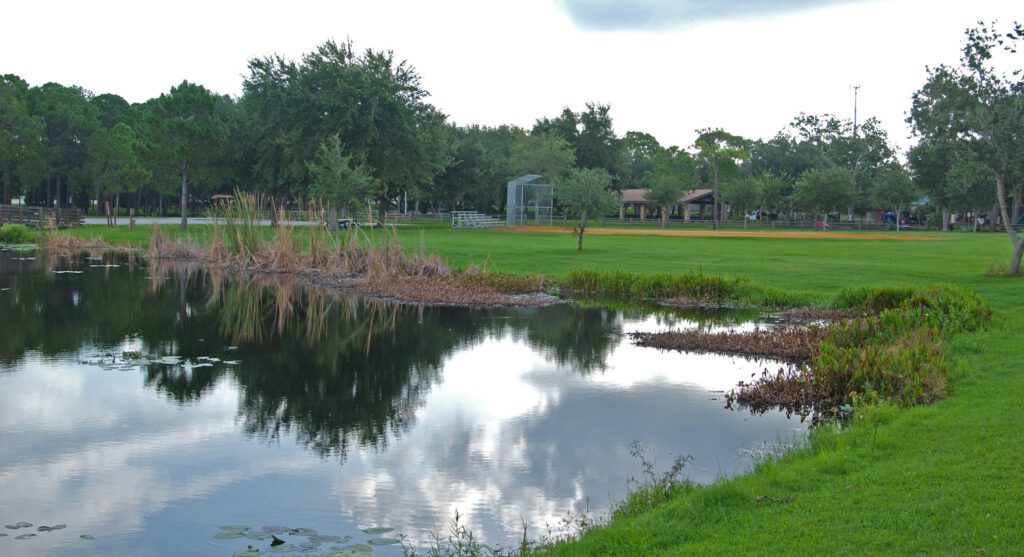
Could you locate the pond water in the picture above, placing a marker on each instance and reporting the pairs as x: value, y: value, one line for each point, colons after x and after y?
x: 146, y: 407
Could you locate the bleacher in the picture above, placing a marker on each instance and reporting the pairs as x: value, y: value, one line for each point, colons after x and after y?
x: 474, y: 219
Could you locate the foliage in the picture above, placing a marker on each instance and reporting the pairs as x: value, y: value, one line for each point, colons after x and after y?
x: 981, y: 107
x: 336, y: 180
x: 823, y: 191
x: 17, y: 234
x: 544, y: 154
x: 718, y: 150
x: 742, y: 195
x: 584, y: 195
x: 590, y: 136
x: 673, y: 173
x: 893, y: 189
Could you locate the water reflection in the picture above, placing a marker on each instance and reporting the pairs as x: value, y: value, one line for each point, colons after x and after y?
x: 149, y: 374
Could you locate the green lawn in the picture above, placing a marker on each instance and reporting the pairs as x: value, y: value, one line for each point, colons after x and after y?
x: 946, y: 479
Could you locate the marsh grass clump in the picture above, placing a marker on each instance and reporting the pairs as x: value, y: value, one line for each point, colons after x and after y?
x: 633, y: 286
x: 895, y: 354
x: 18, y: 234
x: 874, y: 299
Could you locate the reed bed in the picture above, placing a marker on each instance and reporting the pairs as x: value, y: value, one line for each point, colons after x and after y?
x: 366, y: 262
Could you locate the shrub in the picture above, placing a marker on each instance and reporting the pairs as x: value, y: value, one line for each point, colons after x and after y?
x: 17, y: 234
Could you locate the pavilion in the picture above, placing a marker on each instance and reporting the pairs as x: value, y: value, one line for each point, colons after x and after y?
x: 692, y: 200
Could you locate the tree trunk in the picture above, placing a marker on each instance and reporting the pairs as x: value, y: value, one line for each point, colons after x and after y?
x: 1018, y: 199
x: 332, y: 218
x: 664, y: 217
x: 945, y: 219
x: 1018, y: 250
x: 1018, y: 242
x: 117, y: 206
x: 97, y: 183
x: 160, y: 203
x: 993, y: 222
x: 6, y: 199
x: 184, y: 196
x: 582, y: 229
x: 714, y: 195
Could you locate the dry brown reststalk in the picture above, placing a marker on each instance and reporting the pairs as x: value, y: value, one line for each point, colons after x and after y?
x: 791, y: 344
x: 809, y: 314
x: 451, y: 290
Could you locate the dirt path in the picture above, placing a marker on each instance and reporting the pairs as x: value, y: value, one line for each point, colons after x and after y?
x: 815, y: 234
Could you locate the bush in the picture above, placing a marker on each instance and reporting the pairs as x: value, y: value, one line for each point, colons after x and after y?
x: 17, y: 234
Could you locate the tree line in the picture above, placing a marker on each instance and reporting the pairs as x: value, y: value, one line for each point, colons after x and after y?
x: 354, y: 130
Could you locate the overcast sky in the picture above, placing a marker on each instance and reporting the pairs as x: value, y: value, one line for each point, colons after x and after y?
x: 667, y: 67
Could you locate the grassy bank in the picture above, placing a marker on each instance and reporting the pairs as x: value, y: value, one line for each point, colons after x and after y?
x: 944, y: 479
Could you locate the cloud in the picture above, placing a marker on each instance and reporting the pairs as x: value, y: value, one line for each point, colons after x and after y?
x: 618, y: 15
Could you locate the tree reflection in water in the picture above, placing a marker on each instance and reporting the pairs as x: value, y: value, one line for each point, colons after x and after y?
x: 333, y: 370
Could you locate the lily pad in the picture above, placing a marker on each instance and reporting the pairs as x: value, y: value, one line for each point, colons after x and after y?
x: 24, y: 536
x: 250, y: 552
x: 359, y: 549
x: 235, y: 528
x: 378, y: 530
x: 320, y: 538
x: 303, y: 532
x: 276, y: 529
x: 3, y: 535
x: 283, y: 548
x: 228, y: 535
x: 258, y: 535
x: 86, y: 537
x: 382, y: 541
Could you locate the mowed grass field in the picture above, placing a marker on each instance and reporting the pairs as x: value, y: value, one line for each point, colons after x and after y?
x: 946, y: 479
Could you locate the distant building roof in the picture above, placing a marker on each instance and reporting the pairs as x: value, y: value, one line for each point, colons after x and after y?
x: 639, y: 196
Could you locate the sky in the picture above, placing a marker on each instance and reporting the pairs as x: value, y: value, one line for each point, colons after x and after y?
x: 666, y: 67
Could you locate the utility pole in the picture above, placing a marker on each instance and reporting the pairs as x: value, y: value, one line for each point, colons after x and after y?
x: 855, y: 89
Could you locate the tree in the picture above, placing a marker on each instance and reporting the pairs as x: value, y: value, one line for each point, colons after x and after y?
x: 589, y: 134
x: 821, y: 192
x: 893, y: 189
x: 717, y: 148
x: 982, y: 107
x: 773, y: 192
x: 115, y: 162
x: 639, y: 150
x: 188, y: 130
x: 585, y: 194
x: 741, y: 194
x: 22, y: 154
x: 372, y: 102
x: 544, y: 154
x: 69, y: 119
x: 673, y: 174
x: 337, y: 181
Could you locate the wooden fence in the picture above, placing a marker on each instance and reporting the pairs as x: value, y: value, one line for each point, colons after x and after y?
x: 38, y: 217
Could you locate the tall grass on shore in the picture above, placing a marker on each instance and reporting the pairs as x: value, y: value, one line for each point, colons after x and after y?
x: 240, y: 242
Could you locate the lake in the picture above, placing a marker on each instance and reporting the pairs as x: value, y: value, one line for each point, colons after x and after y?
x: 146, y: 407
